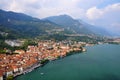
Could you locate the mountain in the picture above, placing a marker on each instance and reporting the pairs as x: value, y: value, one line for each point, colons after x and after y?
x: 19, y: 25
x: 96, y: 29
x: 76, y: 26
x: 69, y: 23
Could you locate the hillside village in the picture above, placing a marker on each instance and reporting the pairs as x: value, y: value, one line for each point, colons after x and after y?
x: 35, y: 56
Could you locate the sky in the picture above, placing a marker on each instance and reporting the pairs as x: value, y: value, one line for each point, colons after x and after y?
x: 101, y: 13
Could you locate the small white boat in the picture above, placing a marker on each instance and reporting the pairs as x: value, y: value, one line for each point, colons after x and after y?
x: 41, y: 73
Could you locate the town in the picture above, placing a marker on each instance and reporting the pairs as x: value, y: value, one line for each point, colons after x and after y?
x: 12, y: 65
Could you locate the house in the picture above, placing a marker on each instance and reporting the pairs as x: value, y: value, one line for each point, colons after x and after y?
x: 1, y: 75
x: 19, y: 51
x: 14, y: 42
x: 15, y: 69
x: 21, y: 69
x: 9, y: 72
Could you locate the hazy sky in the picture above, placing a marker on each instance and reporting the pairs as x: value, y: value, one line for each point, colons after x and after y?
x: 104, y: 13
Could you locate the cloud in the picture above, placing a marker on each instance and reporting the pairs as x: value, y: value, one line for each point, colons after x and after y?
x: 24, y: 6
x: 108, y: 11
x: 107, y: 17
x: 94, y: 13
x: 103, y: 13
x: 53, y: 7
x: 45, y: 8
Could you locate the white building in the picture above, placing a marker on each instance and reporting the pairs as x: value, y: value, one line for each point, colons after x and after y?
x: 21, y: 69
x: 1, y: 76
x: 14, y: 42
x: 9, y: 73
x: 15, y: 70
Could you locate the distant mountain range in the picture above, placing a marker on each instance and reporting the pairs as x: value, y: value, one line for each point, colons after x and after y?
x: 77, y: 26
x: 19, y: 25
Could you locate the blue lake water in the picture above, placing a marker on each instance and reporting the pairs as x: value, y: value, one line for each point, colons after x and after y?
x: 100, y: 62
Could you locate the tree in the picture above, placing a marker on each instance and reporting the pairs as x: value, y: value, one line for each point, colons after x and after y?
x: 10, y: 77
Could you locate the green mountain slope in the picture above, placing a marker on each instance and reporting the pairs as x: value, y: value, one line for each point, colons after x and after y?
x: 70, y: 24
x: 77, y: 26
x: 17, y: 25
x: 21, y: 25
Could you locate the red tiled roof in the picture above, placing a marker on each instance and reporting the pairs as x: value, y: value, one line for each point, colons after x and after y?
x: 1, y: 73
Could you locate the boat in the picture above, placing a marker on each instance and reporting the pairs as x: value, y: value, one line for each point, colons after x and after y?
x: 41, y: 73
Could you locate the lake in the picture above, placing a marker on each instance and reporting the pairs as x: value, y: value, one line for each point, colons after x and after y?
x: 100, y: 62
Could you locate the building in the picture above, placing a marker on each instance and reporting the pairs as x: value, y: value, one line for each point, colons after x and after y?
x: 14, y: 42
x: 1, y: 75
x: 21, y: 69
x: 9, y: 72
x: 19, y: 51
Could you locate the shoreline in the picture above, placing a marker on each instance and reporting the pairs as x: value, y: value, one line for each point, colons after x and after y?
x: 38, y: 64
x: 29, y: 69
x: 75, y: 58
